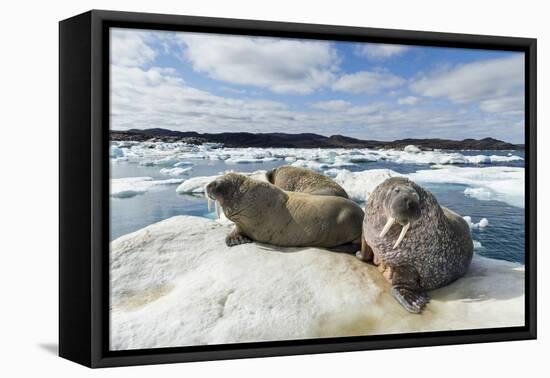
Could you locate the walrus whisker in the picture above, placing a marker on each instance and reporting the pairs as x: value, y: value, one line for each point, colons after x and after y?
x: 387, y: 227
x: 402, y: 235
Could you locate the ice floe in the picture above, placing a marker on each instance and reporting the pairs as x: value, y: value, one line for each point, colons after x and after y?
x: 161, y: 153
x: 176, y: 283
x: 497, y: 183
x: 483, y: 222
x: 132, y: 186
x: 178, y: 171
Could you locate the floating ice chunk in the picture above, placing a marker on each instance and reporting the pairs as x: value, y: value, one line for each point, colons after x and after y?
x: 244, y: 160
x: 176, y: 283
x: 412, y: 149
x: 175, y: 171
x: 483, y: 194
x: 132, y: 186
x: 481, y: 224
x: 506, y: 183
x: 116, y: 152
x: 359, y: 185
x: 290, y: 159
x: 477, y: 245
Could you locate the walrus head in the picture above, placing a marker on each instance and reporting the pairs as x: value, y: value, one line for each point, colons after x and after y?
x: 270, y: 175
x: 224, y: 190
x: 401, y: 205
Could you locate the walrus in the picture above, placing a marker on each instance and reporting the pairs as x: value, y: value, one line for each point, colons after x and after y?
x: 265, y: 213
x: 417, y: 244
x: 304, y: 180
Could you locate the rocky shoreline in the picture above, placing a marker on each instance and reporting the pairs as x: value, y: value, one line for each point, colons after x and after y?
x: 306, y: 140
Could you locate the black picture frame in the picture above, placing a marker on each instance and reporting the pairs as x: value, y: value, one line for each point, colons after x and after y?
x: 84, y: 188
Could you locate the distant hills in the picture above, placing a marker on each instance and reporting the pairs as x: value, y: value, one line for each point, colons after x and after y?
x: 305, y: 140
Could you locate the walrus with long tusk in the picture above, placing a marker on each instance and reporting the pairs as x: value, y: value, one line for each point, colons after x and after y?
x: 296, y: 179
x: 265, y: 213
x: 417, y: 244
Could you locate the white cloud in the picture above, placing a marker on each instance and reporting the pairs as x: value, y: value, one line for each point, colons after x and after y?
x: 157, y: 97
x: 129, y: 48
x: 367, y: 82
x: 331, y: 105
x: 280, y: 65
x: 496, y: 85
x: 409, y: 100
x: 379, y: 51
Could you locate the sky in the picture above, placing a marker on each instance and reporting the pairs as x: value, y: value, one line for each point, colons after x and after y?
x: 225, y: 83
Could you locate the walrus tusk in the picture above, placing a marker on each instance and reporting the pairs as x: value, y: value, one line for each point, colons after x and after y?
x: 209, y: 201
x: 387, y: 227
x: 402, y: 235
x: 217, y: 205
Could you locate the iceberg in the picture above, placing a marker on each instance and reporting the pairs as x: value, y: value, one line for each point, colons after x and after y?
x: 128, y: 187
x: 176, y: 283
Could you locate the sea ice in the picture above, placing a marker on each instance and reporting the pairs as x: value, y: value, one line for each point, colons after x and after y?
x: 359, y: 185
x: 176, y: 283
x: 132, y: 186
x: 197, y: 184
x: 116, y: 152
x: 503, y: 183
x: 483, y: 222
x: 175, y: 171
x: 160, y: 153
x: 483, y: 194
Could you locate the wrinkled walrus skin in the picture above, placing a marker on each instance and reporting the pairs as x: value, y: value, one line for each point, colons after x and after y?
x: 264, y: 213
x: 295, y: 179
x: 436, y: 250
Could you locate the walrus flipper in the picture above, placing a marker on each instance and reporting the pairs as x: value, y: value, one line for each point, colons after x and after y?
x: 413, y: 301
x: 236, y: 237
x: 365, y: 253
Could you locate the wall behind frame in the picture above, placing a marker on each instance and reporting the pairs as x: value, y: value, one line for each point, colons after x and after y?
x: 29, y: 240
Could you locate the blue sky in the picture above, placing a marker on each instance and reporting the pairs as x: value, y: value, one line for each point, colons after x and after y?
x: 216, y: 83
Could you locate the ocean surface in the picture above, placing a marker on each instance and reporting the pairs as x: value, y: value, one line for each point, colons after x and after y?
x: 501, y: 237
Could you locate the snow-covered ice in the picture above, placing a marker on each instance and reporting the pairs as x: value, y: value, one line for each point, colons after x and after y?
x: 178, y: 171
x: 176, y: 283
x: 499, y: 183
x: 132, y: 186
x: 359, y: 185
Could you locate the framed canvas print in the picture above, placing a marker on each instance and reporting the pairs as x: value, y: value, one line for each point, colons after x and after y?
x: 234, y: 188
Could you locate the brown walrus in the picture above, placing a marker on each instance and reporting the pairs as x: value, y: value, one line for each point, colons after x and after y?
x: 416, y: 243
x: 265, y: 213
x: 304, y: 180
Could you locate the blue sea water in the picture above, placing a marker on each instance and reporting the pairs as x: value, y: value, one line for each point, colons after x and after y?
x: 503, y: 238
